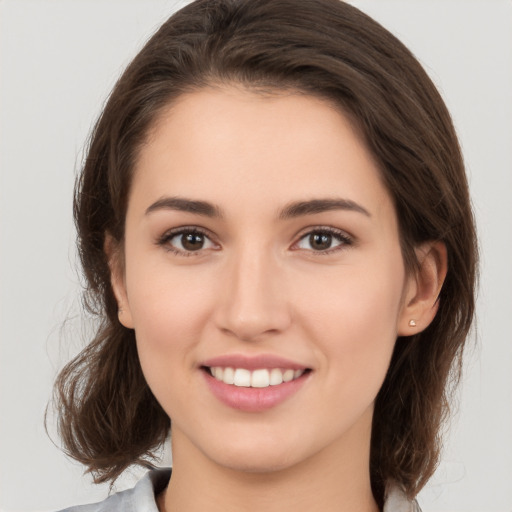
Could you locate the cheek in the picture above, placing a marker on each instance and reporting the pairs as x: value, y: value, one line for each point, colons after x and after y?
x: 170, y: 311
x: 161, y: 295
x: 354, y: 319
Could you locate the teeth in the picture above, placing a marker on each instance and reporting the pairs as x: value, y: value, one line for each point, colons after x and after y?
x: 242, y: 378
x: 276, y: 377
x: 218, y: 373
x: 288, y: 375
x: 261, y: 378
x: 229, y: 376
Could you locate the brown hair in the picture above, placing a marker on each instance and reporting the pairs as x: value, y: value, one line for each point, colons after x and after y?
x: 109, y: 418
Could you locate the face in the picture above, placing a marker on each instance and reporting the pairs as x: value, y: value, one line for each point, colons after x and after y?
x: 263, y: 277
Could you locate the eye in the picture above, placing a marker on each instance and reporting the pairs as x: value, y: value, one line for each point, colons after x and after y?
x: 323, y: 240
x: 186, y: 241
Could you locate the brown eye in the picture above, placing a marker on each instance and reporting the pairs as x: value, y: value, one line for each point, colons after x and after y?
x: 186, y: 242
x: 320, y: 241
x: 324, y: 240
x: 192, y: 241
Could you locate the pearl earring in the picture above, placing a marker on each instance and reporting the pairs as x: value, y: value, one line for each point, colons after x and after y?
x: 412, y: 323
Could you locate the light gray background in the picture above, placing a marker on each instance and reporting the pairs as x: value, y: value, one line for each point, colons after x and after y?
x: 60, y: 58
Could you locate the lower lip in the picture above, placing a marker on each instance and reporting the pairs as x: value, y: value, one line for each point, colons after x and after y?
x: 253, y: 399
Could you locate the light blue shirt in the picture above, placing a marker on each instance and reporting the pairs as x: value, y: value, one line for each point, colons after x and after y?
x: 142, y: 497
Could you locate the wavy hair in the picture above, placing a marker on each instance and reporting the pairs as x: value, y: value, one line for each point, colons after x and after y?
x: 109, y: 419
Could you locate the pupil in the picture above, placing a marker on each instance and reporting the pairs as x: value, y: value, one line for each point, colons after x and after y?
x: 192, y: 241
x: 320, y: 241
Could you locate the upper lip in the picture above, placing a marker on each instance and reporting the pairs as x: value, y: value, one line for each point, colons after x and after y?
x: 253, y: 362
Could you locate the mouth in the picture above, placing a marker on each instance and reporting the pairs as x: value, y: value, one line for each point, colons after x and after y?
x: 254, y: 383
x: 257, y: 378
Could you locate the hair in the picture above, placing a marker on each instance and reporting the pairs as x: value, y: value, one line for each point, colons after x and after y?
x: 109, y: 419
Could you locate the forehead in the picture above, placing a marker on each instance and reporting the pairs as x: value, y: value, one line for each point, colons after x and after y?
x: 231, y: 142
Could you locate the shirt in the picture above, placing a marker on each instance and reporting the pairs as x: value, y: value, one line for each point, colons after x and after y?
x: 142, y: 497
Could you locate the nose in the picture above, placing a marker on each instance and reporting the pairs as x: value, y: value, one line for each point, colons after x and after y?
x: 253, y: 303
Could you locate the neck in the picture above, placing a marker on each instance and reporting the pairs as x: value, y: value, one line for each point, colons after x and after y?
x: 336, y: 479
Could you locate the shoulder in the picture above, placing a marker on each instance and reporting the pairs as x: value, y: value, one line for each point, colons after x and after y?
x: 140, y: 498
x: 397, y: 501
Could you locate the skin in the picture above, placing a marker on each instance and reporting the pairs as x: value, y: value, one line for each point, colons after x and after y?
x: 256, y: 286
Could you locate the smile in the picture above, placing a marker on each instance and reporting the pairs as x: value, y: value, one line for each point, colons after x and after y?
x: 259, y: 378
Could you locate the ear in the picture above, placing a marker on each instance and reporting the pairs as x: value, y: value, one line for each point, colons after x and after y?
x: 117, y: 279
x: 421, y: 300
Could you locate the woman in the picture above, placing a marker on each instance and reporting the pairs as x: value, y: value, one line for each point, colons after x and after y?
x: 275, y: 226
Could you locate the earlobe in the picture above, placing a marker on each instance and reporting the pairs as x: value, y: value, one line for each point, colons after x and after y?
x: 114, y: 256
x: 421, y: 300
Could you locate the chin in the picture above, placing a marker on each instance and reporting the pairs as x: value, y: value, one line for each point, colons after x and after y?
x: 257, y: 465
x: 257, y: 456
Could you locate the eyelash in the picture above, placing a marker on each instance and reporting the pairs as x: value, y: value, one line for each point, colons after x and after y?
x: 342, y: 237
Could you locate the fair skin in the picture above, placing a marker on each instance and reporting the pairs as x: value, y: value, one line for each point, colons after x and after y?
x: 261, y: 271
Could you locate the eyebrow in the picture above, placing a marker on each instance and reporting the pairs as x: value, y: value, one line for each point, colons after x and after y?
x: 292, y: 210
x: 186, y: 205
x: 300, y: 208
